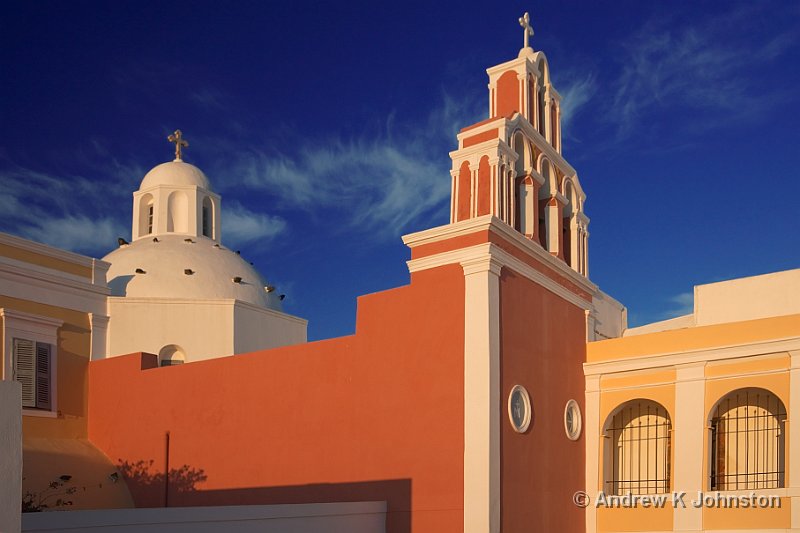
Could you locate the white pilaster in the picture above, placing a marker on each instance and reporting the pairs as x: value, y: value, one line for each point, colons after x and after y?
x: 482, y: 395
x: 593, y: 439
x: 552, y: 214
x: 689, y: 427
x: 794, y: 440
x: 99, y: 336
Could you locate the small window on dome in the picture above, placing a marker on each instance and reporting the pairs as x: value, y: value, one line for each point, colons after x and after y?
x: 171, y: 355
x: 150, y: 219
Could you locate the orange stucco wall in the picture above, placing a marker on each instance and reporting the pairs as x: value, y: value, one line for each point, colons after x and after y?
x: 464, y: 192
x: 542, y: 348
x: 507, y: 94
x: 484, y: 186
x: 481, y: 137
x: 373, y: 416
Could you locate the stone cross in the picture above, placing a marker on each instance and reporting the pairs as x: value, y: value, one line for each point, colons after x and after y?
x: 180, y: 142
x: 525, y: 22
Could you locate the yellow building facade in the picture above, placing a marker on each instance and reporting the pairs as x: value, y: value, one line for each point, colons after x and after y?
x: 53, y: 321
x: 688, y: 421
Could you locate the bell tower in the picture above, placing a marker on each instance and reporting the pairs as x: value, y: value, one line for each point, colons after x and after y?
x: 511, y: 166
x: 176, y: 198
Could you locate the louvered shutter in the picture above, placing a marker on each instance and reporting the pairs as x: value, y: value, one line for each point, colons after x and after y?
x: 25, y: 370
x: 43, y: 376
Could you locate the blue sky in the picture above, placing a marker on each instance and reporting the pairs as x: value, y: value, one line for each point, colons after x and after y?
x: 326, y: 128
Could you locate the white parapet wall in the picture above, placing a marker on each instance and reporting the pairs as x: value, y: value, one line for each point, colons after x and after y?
x: 350, y: 517
x: 10, y: 456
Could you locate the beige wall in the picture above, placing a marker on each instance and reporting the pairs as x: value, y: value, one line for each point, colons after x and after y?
x: 349, y: 517
x: 204, y: 329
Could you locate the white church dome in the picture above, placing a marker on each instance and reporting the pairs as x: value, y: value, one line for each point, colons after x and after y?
x: 184, y: 267
x: 175, y: 173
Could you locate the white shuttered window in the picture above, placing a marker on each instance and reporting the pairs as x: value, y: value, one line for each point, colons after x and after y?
x: 32, y: 368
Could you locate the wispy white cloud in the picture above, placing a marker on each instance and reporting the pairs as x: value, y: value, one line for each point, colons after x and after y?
x: 71, y: 212
x: 679, y: 305
x: 705, y: 66
x: 241, y: 226
x: 79, y: 233
x: 380, y: 182
x: 576, y: 92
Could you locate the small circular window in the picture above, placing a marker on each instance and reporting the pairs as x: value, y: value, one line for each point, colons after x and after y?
x: 519, y: 408
x: 572, y: 420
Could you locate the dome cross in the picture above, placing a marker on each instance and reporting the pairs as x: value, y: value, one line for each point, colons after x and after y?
x: 527, y: 29
x: 179, y: 142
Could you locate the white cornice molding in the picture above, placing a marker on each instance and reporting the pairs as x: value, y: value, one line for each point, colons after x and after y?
x: 534, y: 275
x: 492, y: 223
x: 507, y: 127
x: 39, y: 320
x: 494, y: 147
x: 221, y: 302
x: 518, y: 121
x: 448, y: 231
x: 537, y: 251
x: 43, y: 275
x: 492, y: 124
x: 670, y: 359
x: 161, y: 186
x: 483, y: 263
x: 50, y: 251
x: 487, y: 257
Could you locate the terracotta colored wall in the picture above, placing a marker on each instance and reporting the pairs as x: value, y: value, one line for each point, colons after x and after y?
x: 488, y: 135
x: 464, y: 192
x: 542, y: 348
x: 507, y: 94
x: 373, y: 416
x: 484, y: 186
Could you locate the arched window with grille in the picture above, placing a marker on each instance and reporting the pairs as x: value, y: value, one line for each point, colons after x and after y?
x: 637, y: 449
x: 747, y: 441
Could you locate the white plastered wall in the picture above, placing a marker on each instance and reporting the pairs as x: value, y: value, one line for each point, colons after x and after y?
x: 748, y: 298
x: 10, y: 456
x: 204, y: 329
x: 256, y: 328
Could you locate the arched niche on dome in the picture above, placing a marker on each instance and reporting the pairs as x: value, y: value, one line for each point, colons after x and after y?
x: 178, y: 212
x: 146, y: 219
x: 208, y: 218
x: 171, y: 355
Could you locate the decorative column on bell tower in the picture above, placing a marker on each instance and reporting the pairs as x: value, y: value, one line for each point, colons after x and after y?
x: 511, y: 166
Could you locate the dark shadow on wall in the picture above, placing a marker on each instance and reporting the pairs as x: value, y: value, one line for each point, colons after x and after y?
x: 119, y: 285
x: 147, y: 485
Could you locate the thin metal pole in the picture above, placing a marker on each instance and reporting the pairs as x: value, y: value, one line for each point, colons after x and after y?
x: 166, y: 473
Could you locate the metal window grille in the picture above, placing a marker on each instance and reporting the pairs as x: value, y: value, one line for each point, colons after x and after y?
x: 747, y: 441
x: 638, y: 442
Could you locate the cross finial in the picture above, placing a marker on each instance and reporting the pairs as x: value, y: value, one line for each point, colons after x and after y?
x: 525, y: 22
x: 180, y: 143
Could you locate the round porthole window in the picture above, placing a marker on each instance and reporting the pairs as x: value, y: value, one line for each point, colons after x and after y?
x: 572, y: 420
x: 519, y: 408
